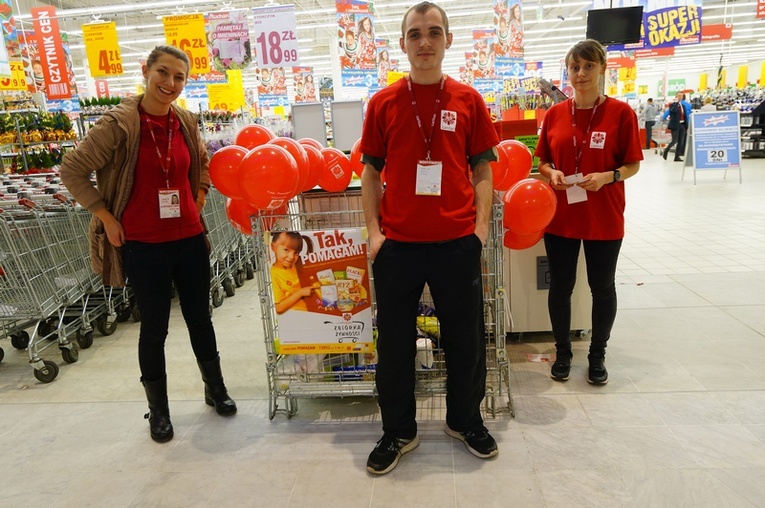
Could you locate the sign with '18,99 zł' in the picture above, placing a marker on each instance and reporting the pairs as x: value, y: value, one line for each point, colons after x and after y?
x: 275, y: 31
x: 187, y: 33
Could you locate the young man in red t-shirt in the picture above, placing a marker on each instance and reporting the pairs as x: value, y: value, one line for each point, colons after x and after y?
x: 435, y: 139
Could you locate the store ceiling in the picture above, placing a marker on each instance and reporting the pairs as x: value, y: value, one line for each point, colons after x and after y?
x: 551, y: 27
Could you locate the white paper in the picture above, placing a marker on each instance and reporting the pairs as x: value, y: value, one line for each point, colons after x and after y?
x: 575, y: 194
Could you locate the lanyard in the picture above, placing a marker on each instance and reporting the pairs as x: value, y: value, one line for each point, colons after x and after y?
x: 436, y: 110
x: 164, y: 163
x: 577, y: 147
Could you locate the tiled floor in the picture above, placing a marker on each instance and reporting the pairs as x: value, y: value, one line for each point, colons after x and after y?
x: 680, y: 423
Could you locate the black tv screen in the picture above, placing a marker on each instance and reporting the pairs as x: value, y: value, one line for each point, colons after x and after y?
x: 620, y: 25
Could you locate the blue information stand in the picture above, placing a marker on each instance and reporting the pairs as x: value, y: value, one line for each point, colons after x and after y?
x: 715, y: 142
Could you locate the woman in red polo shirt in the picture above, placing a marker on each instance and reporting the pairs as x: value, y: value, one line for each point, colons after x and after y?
x: 151, y: 168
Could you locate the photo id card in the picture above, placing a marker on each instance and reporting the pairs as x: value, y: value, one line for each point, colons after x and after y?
x: 428, y: 178
x: 169, y: 203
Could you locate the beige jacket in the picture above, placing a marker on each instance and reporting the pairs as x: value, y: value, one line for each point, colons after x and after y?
x: 111, y: 150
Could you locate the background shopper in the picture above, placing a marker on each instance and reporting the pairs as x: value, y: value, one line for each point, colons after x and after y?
x: 428, y: 226
x: 677, y: 114
x: 649, y: 114
x: 143, y: 152
x: 588, y: 145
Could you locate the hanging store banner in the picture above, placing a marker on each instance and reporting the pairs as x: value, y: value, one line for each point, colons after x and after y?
x: 533, y: 69
x: 356, y: 42
x: 676, y: 23
x: 330, y: 270
x: 229, y: 39
x: 508, y: 39
x: 18, y: 80
x: 5, y: 63
x: 102, y: 88
x: 9, y: 30
x: 187, y: 33
x: 383, y: 62
x: 272, y: 88
x: 760, y: 13
x: 102, y: 49
x: 483, y: 42
x: 305, y: 87
x: 275, y: 30
x: 51, y: 53
x: 721, y: 32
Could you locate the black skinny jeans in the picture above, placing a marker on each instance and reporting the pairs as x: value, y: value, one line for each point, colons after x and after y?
x: 452, y: 271
x: 601, y: 257
x: 152, y: 268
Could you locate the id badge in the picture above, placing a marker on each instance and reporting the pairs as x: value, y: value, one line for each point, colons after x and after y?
x: 169, y: 203
x: 428, y: 178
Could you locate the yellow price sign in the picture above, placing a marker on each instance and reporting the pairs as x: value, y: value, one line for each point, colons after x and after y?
x: 187, y: 33
x: 220, y: 98
x: 627, y: 73
x: 643, y: 89
x: 18, y: 80
x: 102, y: 49
x: 612, y: 91
x: 628, y: 87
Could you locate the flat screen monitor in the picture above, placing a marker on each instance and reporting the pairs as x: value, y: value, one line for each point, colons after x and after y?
x: 620, y: 25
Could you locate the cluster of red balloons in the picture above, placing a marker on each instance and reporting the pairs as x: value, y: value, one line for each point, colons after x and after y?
x: 262, y: 172
x: 529, y: 203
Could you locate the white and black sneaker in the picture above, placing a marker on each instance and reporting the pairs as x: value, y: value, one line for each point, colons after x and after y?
x: 384, y: 458
x: 478, y: 442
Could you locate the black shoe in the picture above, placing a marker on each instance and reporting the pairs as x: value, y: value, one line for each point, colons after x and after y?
x: 597, y: 373
x: 384, y: 458
x: 678, y: 159
x: 215, y: 390
x: 562, y: 366
x: 664, y: 154
x: 160, y: 427
x: 479, y: 443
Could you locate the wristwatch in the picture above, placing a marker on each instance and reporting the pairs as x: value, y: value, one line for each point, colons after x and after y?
x: 617, y: 175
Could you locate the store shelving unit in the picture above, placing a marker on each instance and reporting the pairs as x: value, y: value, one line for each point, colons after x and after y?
x: 752, y: 135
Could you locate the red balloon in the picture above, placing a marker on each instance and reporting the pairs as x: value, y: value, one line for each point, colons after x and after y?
x: 268, y: 176
x: 301, y: 157
x: 529, y: 206
x: 312, y: 142
x: 253, y: 135
x: 519, y: 162
x: 239, y: 212
x: 338, y: 173
x: 316, y: 167
x: 499, y: 169
x: 224, y: 170
x: 356, y: 165
x: 515, y: 241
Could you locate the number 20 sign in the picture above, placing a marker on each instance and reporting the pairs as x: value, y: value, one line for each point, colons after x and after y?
x: 275, y: 31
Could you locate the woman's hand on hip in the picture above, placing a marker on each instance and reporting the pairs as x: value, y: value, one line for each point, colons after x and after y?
x: 114, y: 232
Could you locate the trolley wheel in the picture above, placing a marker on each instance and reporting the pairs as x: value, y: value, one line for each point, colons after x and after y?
x: 135, y: 313
x: 217, y: 297
x: 105, y: 326
x: 85, y: 340
x: 2, y: 354
x: 46, y: 327
x: 292, y: 406
x: 239, y: 277
x: 20, y: 341
x: 70, y: 355
x: 249, y: 271
x: 123, y: 312
x: 47, y: 373
x: 228, y: 287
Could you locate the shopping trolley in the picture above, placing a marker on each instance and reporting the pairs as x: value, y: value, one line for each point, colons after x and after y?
x: 295, y: 376
x: 662, y: 136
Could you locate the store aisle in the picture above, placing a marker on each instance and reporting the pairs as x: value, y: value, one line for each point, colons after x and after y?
x: 680, y: 423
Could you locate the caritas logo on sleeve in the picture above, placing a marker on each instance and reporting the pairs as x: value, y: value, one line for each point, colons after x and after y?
x: 51, y: 53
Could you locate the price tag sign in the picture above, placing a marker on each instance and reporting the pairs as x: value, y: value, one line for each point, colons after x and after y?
x: 628, y: 87
x: 102, y: 49
x: 718, y: 155
x: 220, y: 98
x: 187, y: 33
x: 275, y: 30
x: 627, y: 73
x: 18, y: 80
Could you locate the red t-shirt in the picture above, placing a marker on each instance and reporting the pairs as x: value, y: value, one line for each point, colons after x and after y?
x: 141, y: 219
x: 614, y: 140
x: 462, y: 129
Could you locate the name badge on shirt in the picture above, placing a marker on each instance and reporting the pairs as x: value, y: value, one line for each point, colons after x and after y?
x: 598, y: 140
x: 448, y: 120
x: 428, y: 178
x: 169, y: 203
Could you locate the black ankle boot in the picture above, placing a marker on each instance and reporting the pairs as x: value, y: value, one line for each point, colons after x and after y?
x: 160, y: 427
x: 562, y: 366
x: 215, y: 390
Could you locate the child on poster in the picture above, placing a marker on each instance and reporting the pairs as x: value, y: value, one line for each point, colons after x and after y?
x: 288, y: 293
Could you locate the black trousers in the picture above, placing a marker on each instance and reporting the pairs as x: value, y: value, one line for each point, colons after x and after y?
x: 648, y: 133
x: 452, y: 271
x: 678, y: 138
x: 152, y: 269
x: 601, y: 257
x: 682, y: 137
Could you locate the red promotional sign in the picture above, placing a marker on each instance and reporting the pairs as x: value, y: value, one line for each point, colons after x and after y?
x: 760, y: 9
x: 654, y: 52
x: 721, y: 32
x: 102, y: 88
x: 52, y: 54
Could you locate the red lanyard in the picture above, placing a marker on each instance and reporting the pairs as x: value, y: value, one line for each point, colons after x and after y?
x: 577, y: 147
x: 436, y: 111
x: 164, y: 162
